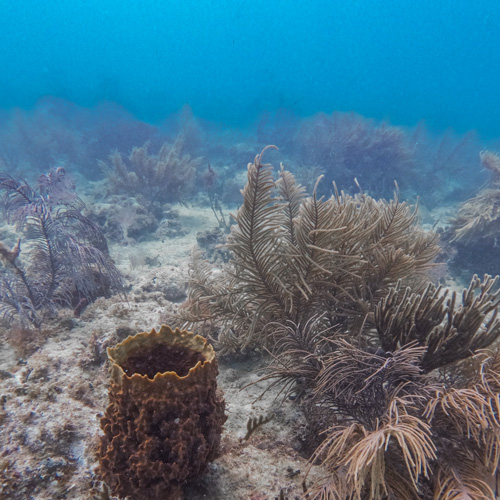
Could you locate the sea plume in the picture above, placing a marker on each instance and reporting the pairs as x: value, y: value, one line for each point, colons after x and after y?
x: 66, y: 259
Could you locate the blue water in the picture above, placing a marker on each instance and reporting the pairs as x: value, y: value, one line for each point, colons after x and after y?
x: 231, y: 60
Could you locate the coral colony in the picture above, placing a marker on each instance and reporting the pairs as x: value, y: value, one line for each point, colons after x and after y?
x: 389, y: 369
x: 67, y: 261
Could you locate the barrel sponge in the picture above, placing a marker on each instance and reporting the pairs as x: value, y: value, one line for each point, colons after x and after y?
x: 165, y: 414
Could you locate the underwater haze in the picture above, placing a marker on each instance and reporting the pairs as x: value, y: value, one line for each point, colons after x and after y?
x: 310, y: 187
x: 232, y: 60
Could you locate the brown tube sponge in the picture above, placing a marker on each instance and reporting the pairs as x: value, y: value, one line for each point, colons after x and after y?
x: 165, y: 416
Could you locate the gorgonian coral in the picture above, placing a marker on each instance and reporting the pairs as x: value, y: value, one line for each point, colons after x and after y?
x: 66, y: 258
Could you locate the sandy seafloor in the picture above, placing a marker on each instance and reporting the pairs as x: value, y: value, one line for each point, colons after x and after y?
x: 53, y: 391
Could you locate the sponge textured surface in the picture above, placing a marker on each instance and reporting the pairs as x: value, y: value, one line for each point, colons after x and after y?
x: 165, y: 415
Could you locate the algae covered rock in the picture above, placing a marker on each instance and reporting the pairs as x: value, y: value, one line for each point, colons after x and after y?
x: 165, y: 415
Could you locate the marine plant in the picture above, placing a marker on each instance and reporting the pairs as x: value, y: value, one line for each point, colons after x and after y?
x: 295, y: 257
x: 209, y: 179
x: 255, y: 423
x: 66, y: 262
x: 153, y: 179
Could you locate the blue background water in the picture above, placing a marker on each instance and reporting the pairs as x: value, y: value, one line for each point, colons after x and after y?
x: 230, y: 60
